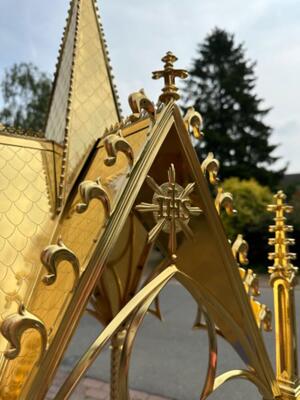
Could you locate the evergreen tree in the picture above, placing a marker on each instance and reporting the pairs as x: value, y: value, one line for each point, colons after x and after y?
x: 221, y: 87
x: 25, y: 92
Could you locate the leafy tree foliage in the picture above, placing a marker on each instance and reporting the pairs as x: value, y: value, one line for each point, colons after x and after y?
x: 25, y: 92
x: 250, y: 200
x: 221, y: 87
x: 252, y: 219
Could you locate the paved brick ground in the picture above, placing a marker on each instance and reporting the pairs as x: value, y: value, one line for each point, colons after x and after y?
x: 92, y: 389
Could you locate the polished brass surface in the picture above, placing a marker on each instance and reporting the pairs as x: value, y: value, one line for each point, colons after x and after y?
x: 83, y: 100
x: 193, y: 122
x: 171, y: 207
x: 283, y: 280
x: 35, y: 175
x: 119, y: 283
x: 141, y: 302
x: 117, y: 343
x: 168, y: 140
x: 240, y: 250
x: 90, y: 190
x: 53, y: 255
x: 139, y: 102
x: 170, y: 91
x: 115, y: 143
x: 13, y: 328
x: 211, y: 166
x: 262, y: 313
x: 224, y: 200
x: 82, y: 236
x: 26, y: 221
x: 81, y: 212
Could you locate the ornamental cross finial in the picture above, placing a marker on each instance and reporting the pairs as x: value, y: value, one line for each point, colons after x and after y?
x: 281, y: 256
x: 169, y: 74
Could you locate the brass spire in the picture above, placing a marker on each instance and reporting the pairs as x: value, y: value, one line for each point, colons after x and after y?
x: 169, y: 74
x: 282, y: 266
x: 283, y: 281
x: 84, y: 99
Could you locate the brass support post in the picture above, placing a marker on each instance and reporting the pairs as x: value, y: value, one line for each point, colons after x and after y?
x: 283, y: 281
x: 116, y: 347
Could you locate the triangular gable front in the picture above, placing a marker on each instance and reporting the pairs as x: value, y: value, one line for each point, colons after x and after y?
x: 201, y: 260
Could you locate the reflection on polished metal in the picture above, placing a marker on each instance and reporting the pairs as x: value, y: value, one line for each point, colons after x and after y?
x: 13, y: 328
x: 261, y: 312
x: 171, y: 207
x: 224, y: 200
x: 90, y: 190
x: 211, y: 166
x: 114, y: 143
x: 99, y: 182
x: 194, y: 122
x: 170, y: 91
x: 138, y: 103
x: 283, y: 281
x: 54, y: 254
x: 240, y: 250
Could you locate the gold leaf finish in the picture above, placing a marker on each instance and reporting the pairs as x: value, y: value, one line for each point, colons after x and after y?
x: 52, y: 256
x: 224, y: 200
x: 111, y: 239
x: 83, y: 101
x: 210, y: 166
x: 139, y: 102
x: 81, y: 232
x: 14, y: 326
x: 141, y: 302
x: 115, y: 143
x: 282, y: 257
x: 240, y: 250
x: 90, y: 190
x: 171, y: 208
x: 262, y: 313
x: 283, y: 280
x: 169, y: 74
x: 194, y: 122
x: 250, y: 280
x: 224, y: 300
x: 26, y: 211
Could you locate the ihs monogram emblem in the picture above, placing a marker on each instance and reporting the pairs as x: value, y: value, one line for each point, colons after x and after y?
x: 171, y: 207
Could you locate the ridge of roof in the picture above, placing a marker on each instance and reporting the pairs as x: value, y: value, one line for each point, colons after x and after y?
x: 84, y: 99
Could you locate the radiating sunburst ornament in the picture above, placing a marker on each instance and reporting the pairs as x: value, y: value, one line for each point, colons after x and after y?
x: 171, y: 208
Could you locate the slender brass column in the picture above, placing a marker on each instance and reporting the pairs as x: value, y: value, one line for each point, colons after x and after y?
x: 283, y: 281
x: 117, y: 342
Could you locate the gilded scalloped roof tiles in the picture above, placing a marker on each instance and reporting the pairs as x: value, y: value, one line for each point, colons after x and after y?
x: 93, y: 105
x: 25, y: 222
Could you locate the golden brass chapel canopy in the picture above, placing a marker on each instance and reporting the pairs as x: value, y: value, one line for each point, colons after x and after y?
x: 82, y: 209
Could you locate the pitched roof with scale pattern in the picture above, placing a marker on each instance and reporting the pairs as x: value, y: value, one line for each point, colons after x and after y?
x: 35, y: 172
x: 84, y: 100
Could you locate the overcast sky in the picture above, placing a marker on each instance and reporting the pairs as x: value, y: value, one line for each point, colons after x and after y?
x: 139, y: 32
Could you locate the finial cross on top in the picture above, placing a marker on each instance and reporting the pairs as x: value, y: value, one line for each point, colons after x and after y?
x: 169, y: 74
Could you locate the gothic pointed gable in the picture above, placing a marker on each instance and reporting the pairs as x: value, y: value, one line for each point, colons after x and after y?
x: 141, y: 182
x: 126, y: 181
x: 83, y: 101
